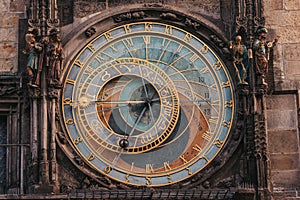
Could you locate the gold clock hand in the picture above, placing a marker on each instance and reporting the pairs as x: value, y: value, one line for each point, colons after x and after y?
x: 118, y: 102
x: 123, y: 143
x: 84, y: 101
x: 108, y: 109
x: 137, y: 121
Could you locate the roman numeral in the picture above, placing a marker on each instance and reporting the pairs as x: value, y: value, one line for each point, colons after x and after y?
x: 193, y: 58
x: 78, y: 63
x: 149, y: 168
x: 207, y: 136
x: 146, y: 39
x: 197, y: 148
x: 167, y: 166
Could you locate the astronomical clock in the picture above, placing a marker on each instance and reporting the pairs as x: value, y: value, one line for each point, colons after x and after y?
x: 147, y: 104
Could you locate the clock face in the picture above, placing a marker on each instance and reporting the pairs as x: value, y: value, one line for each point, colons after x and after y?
x: 147, y: 104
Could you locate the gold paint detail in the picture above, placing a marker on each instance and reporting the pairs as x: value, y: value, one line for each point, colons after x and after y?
x: 146, y: 39
x: 148, y: 181
x: 78, y: 63
x: 226, y: 124
x: 167, y: 166
x: 188, y: 37
x: 70, y: 121
x: 91, y: 47
x: 207, y: 135
x: 168, y: 30
x: 229, y: 104
x: 91, y: 157
x: 107, y: 169
x: 170, y: 179
x: 149, y: 168
x: 225, y: 84
x: 204, y: 49
x: 77, y: 140
x: 197, y: 148
x: 148, y: 26
x: 219, y: 143
x: 68, y: 101
x: 218, y: 65
x: 127, y: 28
x: 127, y: 178
x: 108, y: 36
x: 70, y: 81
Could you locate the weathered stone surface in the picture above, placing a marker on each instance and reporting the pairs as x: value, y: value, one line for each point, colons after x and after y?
x: 9, y: 65
x: 276, y: 4
x: 288, y: 35
x: 284, y: 162
x: 292, y: 51
x: 289, y: 177
x: 4, y: 6
x: 283, y: 141
x: 292, y: 5
x: 8, y: 20
x: 292, y: 68
x: 282, y: 120
x: 8, y: 34
x: 281, y: 102
x: 282, y: 18
x: 17, y: 6
x: 8, y: 50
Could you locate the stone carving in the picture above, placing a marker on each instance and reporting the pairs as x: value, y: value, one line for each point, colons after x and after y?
x: 261, y: 50
x: 152, y: 5
x: 190, y: 23
x: 6, y: 90
x: 215, y: 39
x: 84, y: 8
x: 240, y: 59
x: 62, y: 138
x: 79, y: 160
x: 65, y: 189
x: 33, y: 51
x: 130, y: 16
x: 54, y: 58
x: 170, y: 16
x: 90, y: 31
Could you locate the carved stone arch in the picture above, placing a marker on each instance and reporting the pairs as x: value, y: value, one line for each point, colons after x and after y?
x: 202, y: 27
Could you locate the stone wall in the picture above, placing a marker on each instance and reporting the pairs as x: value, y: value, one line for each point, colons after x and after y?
x: 10, y: 13
x: 283, y: 19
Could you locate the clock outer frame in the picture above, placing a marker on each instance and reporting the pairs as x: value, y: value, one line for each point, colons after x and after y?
x: 75, y: 40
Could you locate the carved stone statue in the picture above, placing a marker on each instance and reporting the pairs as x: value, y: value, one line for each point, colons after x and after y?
x: 33, y: 51
x: 54, y: 57
x: 261, y: 50
x: 240, y: 59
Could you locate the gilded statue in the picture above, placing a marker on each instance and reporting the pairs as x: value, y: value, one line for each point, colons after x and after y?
x: 261, y: 50
x: 33, y: 51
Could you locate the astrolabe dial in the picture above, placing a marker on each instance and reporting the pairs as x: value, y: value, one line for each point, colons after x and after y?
x: 148, y: 104
x: 135, y: 101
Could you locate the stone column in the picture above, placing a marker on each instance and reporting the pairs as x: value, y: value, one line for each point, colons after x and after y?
x: 44, y: 176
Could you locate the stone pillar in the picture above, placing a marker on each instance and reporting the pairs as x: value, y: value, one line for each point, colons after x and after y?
x: 44, y: 176
x: 34, y: 136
